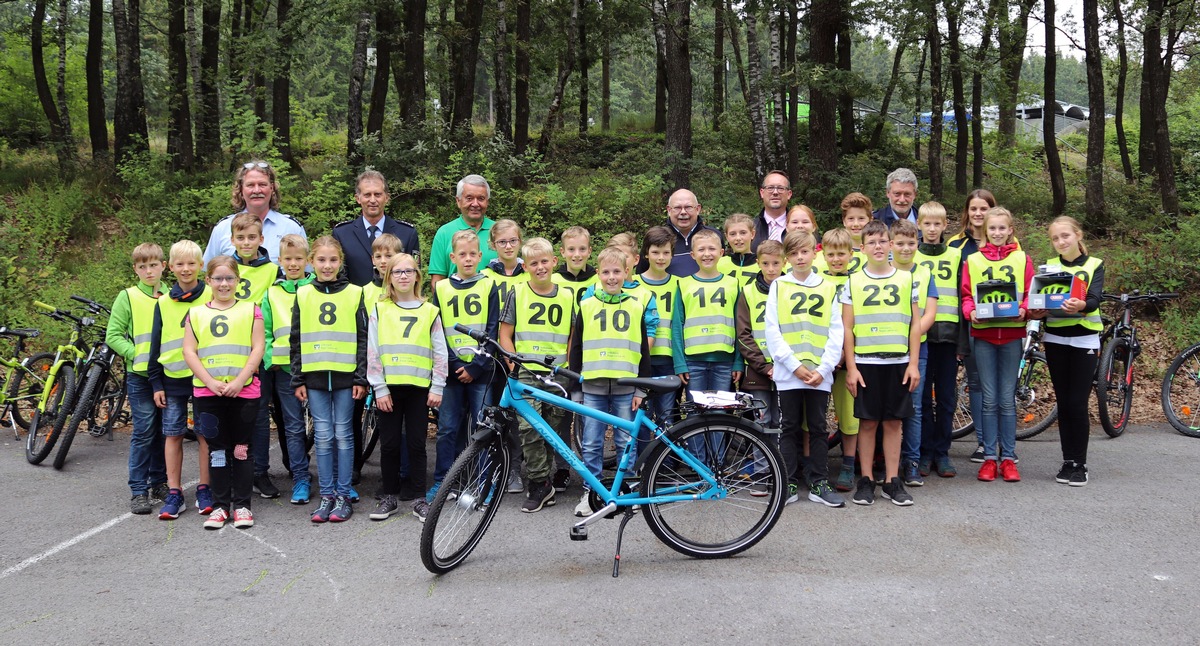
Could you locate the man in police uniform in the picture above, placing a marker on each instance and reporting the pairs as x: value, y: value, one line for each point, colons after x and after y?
x: 255, y: 190
x: 356, y: 236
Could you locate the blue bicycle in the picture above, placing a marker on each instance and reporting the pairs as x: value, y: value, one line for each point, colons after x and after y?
x: 695, y: 485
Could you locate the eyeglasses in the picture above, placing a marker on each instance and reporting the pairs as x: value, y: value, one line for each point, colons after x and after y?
x: 222, y: 279
x: 683, y: 209
x: 510, y: 242
x: 877, y: 243
x: 252, y: 165
x: 776, y: 189
x: 403, y: 273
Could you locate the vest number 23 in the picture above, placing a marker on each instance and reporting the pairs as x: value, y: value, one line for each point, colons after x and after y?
x: 872, y: 300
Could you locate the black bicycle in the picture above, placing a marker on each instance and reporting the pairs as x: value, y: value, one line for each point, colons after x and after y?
x: 1181, y: 392
x: 101, y: 395
x: 1119, y: 350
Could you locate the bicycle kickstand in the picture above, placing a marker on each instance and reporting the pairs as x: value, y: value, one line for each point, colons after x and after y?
x: 629, y: 513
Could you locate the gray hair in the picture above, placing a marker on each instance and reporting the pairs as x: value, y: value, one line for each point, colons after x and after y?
x: 900, y: 176
x: 370, y: 173
x: 473, y: 180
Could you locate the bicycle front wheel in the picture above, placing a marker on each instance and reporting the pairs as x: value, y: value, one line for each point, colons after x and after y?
x: 962, y: 424
x: 25, y: 389
x: 465, y: 504
x: 741, y: 458
x: 1181, y: 392
x: 1114, y: 388
x: 370, y: 436
x: 1037, y: 407
x: 47, y: 424
x: 83, y: 410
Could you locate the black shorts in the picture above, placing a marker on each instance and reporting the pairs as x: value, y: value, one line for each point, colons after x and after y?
x: 885, y: 396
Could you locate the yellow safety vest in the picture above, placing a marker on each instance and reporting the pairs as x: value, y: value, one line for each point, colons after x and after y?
x: 170, y: 341
x: 921, y: 278
x: 372, y: 294
x: 882, y: 312
x: 253, y: 282
x: 224, y: 339
x: 505, y: 284
x: 1089, y: 320
x: 543, y: 324
x: 709, y: 314
x: 664, y: 295
x: 943, y: 270
x: 857, y: 261
x: 281, y: 301
x: 612, y: 344
x: 141, y: 308
x: 328, y: 329
x: 756, y: 301
x: 468, y: 306
x: 1010, y: 270
x: 745, y: 274
x: 805, y: 314
x: 405, y: 343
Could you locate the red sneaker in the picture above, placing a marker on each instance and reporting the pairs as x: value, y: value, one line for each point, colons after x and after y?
x: 987, y: 472
x: 1008, y: 471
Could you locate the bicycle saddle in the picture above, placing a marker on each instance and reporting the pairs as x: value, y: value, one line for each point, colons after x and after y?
x: 667, y: 384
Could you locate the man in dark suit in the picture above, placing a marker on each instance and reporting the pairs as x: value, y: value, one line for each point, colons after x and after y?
x: 356, y: 236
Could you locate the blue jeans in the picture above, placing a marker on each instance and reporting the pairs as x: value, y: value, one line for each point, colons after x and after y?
x: 998, y: 366
x: 974, y: 393
x: 941, y: 375
x: 293, y: 423
x: 147, y: 464
x: 175, y: 415
x: 708, y: 375
x: 662, y: 406
x: 460, y: 404
x: 331, y: 412
x: 910, y: 449
x: 593, y: 429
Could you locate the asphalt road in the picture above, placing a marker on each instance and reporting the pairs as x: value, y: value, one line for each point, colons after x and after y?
x: 1033, y: 562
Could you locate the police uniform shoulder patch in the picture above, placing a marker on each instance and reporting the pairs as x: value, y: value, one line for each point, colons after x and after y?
x: 406, y: 223
x: 343, y: 223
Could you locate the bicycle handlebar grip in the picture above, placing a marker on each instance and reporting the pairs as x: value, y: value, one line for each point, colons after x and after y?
x: 44, y: 306
x: 474, y: 334
x: 81, y: 299
x: 1169, y: 295
x: 572, y: 376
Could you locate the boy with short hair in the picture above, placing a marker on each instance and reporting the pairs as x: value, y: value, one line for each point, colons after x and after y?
x: 836, y: 252
x: 382, y: 249
x: 536, y: 322
x: 752, y: 340
x: 277, y: 359
x: 740, y: 262
x: 129, y: 330
x: 609, y: 341
x: 946, y: 342
x: 704, y: 319
x: 856, y: 213
x: 576, y: 248
x: 905, y: 239
x: 658, y: 247
x: 803, y: 330
x: 881, y: 314
x: 471, y: 298
x: 171, y: 378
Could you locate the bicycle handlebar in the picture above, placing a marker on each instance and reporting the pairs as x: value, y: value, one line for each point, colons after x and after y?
x: 1136, y: 297
x: 484, y: 339
x: 44, y: 306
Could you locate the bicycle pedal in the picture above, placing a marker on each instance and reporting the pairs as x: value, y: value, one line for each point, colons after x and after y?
x: 579, y: 533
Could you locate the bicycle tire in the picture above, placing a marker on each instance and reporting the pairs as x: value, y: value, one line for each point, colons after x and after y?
x: 963, y: 423
x: 83, y: 409
x: 310, y: 433
x: 611, y: 456
x: 26, y: 387
x: 47, y: 425
x: 465, y: 504
x: 112, y: 404
x: 1181, y: 392
x: 1114, y: 395
x: 740, y: 456
x: 370, y: 435
x: 1037, y: 407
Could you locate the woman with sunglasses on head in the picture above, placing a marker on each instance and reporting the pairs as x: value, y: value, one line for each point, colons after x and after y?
x: 255, y: 190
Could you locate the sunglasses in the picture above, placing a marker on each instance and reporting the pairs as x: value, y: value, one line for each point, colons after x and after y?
x: 253, y: 165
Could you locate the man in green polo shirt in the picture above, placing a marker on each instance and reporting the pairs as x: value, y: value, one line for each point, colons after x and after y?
x: 472, y: 197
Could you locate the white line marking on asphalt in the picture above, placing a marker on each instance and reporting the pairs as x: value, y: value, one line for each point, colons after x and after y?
x: 337, y: 589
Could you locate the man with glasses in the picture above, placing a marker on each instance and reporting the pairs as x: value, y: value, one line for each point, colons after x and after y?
x: 472, y: 196
x: 683, y: 217
x: 255, y: 190
x: 775, y: 190
x: 357, y: 235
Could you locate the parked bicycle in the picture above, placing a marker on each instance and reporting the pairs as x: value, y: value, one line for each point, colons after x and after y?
x: 700, y: 506
x: 58, y: 393
x: 24, y: 379
x: 1119, y: 350
x: 1181, y: 392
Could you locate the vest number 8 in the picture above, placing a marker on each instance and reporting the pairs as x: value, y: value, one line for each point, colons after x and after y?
x: 328, y: 314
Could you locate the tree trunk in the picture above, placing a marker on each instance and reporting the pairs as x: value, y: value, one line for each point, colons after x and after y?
x: 1011, y: 34
x: 1119, y: 109
x: 385, y: 30
x: 208, y: 115
x: 564, y: 74
x: 754, y: 97
x: 94, y: 65
x: 412, y: 72
x: 179, y: 125
x: 64, y: 114
x: 445, y: 52
x: 1154, y: 67
x: 937, y: 100
x: 845, y: 99
x: 606, y: 85
x: 521, y: 86
x: 1058, y: 185
x: 1094, y: 195
x: 43, y: 86
x: 793, y: 135
x: 358, y: 71
x: 129, y: 122
x: 192, y: 39
x: 901, y: 45
x: 756, y: 145
x: 961, y: 141
x: 500, y: 62
x: 658, y: 19
x: 778, y: 99
x: 917, y: 102
x: 281, y: 85
x: 584, y: 63
x: 977, y: 95
x: 469, y: 14
x: 678, y: 144
x: 822, y: 117
x: 256, y: 81
x: 718, y: 64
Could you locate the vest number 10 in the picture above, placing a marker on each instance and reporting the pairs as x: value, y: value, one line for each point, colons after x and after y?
x: 620, y: 320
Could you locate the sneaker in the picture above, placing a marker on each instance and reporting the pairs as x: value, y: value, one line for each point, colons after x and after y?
x: 342, y: 511
x: 264, y: 486
x: 420, y: 509
x: 354, y: 495
x: 387, y: 506
x: 1079, y: 476
x: 301, y: 493
x: 541, y: 494
x: 925, y: 466
x: 216, y: 519
x: 514, y: 481
x: 1008, y: 471
x: 584, y: 508
x: 944, y: 467
x: 433, y: 491
x: 821, y: 492
x: 912, y: 475
x: 321, y: 515
x: 1064, y: 474
x: 845, y: 479
x: 894, y: 491
x: 987, y: 472
x: 561, y: 480
x: 204, y: 500
x: 243, y: 518
x: 160, y: 492
x: 793, y: 493
x: 175, y: 504
x: 865, y: 494
x: 140, y: 504
x: 978, y: 455
x: 759, y: 490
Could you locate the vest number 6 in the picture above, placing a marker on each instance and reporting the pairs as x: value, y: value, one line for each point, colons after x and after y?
x: 218, y: 327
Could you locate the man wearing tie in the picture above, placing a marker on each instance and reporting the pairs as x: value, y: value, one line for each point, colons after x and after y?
x: 356, y: 236
x: 775, y: 191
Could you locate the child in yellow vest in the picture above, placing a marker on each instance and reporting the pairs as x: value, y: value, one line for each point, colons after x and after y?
x: 752, y: 339
x: 836, y: 252
x: 707, y: 358
x: 658, y: 248
x: 382, y: 249
x: 741, y: 261
x: 575, y: 273
x: 905, y: 237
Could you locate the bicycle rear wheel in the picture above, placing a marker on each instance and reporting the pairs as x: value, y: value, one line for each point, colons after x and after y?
x: 110, y: 406
x: 740, y: 457
x: 1181, y: 392
x: 1114, y: 388
x: 465, y: 504
x: 47, y: 425
x: 84, y: 409
x: 25, y: 389
x: 611, y: 457
x: 963, y: 424
x: 1037, y: 407
x: 369, y: 425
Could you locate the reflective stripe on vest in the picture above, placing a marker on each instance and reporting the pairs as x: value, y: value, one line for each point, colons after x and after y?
x: 469, y: 306
x: 543, y: 324
x: 805, y: 314
x: 328, y: 329
x: 921, y: 279
x: 882, y: 312
x: 1010, y: 269
x: 664, y: 296
x: 224, y: 339
x: 253, y: 282
x: 1089, y: 320
x: 281, y: 302
x: 756, y: 301
x: 943, y: 270
x: 708, y: 311
x: 141, y: 309
x: 405, y: 344
x: 170, y: 341
x: 612, y: 344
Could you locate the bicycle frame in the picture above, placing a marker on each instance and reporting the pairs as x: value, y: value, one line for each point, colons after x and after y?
x: 60, y: 359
